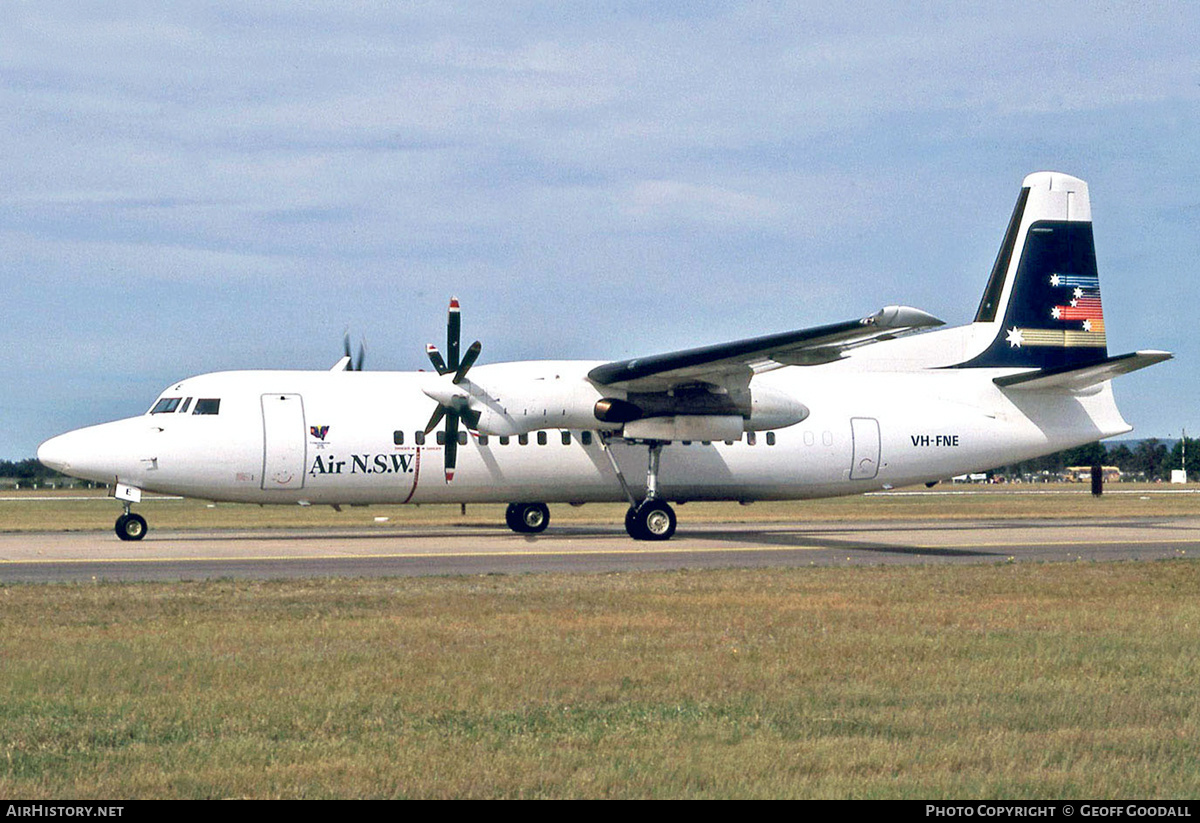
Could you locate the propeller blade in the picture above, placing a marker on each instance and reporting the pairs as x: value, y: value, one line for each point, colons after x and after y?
x: 453, y: 335
x: 346, y: 343
x: 435, y: 357
x: 468, y: 360
x: 451, y: 444
x: 437, y: 416
x: 362, y: 355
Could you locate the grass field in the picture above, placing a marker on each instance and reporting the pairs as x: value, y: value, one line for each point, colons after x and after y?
x: 1008, y: 681
x: 42, y: 511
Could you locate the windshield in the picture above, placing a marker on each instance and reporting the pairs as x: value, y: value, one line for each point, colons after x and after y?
x: 165, y: 405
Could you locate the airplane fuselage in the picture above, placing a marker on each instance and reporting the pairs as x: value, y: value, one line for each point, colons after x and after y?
x: 357, y: 438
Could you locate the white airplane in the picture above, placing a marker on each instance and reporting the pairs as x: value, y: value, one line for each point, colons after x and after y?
x: 867, y: 404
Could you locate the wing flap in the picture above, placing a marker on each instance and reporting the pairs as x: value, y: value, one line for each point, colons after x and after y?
x: 737, y: 361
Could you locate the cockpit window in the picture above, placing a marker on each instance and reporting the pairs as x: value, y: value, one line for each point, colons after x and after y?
x: 165, y: 405
x: 209, y: 406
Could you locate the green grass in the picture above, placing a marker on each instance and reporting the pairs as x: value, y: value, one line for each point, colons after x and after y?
x: 1007, y: 681
x: 23, y: 511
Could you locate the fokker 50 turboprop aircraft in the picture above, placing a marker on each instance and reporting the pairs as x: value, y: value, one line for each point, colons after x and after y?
x: 840, y: 409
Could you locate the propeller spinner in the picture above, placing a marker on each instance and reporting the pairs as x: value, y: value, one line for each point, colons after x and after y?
x: 453, y: 402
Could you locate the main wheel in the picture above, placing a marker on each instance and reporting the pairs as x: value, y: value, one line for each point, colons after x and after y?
x: 527, y: 518
x: 511, y: 515
x: 131, y: 527
x: 651, y: 520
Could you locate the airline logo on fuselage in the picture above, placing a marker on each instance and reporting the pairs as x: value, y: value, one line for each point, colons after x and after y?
x: 396, y: 463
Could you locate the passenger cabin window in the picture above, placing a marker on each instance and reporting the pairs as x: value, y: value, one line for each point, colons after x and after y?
x: 398, y: 438
x: 419, y: 437
x: 208, y: 407
x: 541, y: 438
x: 504, y: 440
x: 586, y: 438
x: 523, y: 439
x: 566, y: 438
x: 166, y: 405
x: 770, y: 438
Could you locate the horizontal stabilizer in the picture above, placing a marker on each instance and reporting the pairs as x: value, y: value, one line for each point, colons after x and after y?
x: 1082, y: 377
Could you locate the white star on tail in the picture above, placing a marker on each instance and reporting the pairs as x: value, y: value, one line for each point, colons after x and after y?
x: 1015, y: 338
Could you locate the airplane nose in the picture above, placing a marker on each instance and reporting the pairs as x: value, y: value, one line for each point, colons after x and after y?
x: 53, y: 454
x: 98, y: 452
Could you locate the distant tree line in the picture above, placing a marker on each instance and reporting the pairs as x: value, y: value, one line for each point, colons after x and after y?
x: 29, y: 469
x: 1150, y: 459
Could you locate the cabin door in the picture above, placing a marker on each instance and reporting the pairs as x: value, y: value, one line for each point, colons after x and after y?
x: 865, y: 433
x: 284, y: 443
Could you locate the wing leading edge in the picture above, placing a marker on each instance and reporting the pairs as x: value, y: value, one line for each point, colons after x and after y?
x: 736, y: 362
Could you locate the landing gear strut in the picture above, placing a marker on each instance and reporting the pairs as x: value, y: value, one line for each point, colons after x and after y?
x: 527, y: 518
x: 652, y: 519
x: 131, y: 526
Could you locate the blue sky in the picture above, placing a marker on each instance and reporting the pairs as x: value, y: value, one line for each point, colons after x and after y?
x: 189, y: 187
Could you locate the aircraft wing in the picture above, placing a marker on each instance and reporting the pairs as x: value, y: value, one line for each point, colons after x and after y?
x: 736, y: 362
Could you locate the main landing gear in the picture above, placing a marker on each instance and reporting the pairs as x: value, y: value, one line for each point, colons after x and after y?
x: 131, y: 526
x: 527, y: 518
x: 652, y: 519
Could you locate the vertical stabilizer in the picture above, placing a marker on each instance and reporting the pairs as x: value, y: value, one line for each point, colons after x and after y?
x: 1041, y: 308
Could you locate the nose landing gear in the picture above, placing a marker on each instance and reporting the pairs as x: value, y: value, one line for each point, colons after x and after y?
x: 131, y: 526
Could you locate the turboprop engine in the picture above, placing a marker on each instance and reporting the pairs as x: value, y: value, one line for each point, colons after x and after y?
x: 512, y: 398
x: 699, y: 413
x: 508, y: 399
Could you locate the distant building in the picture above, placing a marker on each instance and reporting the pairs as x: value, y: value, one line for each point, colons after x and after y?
x: 1083, y: 474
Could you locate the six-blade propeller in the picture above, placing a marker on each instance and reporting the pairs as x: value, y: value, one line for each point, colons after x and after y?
x: 453, y: 401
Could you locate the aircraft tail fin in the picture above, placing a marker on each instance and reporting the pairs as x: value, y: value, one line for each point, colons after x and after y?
x: 1042, y: 304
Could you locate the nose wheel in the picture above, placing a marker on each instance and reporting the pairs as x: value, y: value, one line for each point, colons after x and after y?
x: 131, y: 526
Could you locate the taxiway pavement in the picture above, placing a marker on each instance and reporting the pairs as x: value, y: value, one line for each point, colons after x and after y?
x: 474, y: 550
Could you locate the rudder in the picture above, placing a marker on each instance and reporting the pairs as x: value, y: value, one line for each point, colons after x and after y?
x: 1042, y: 301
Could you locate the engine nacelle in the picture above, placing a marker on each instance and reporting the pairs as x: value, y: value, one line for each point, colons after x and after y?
x: 511, y: 399
x: 759, y: 408
x: 685, y: 427
x: 770, y: 409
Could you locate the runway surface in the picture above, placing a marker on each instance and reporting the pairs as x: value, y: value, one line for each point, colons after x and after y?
x: 474, y: 550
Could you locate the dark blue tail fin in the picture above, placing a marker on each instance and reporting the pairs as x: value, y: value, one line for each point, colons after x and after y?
x: 1042, y: 303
